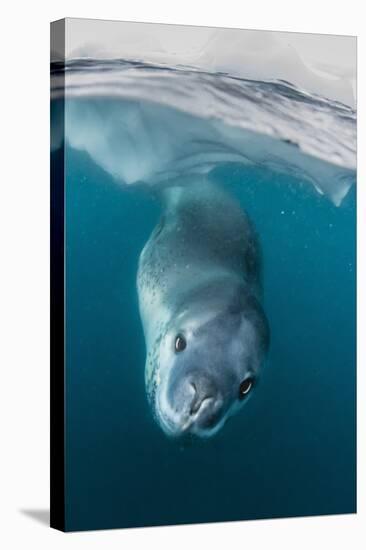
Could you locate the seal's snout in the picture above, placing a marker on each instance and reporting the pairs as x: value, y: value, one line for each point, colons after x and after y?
x: 204, y: 397
x: 199, y: 398
x: 197, y: 405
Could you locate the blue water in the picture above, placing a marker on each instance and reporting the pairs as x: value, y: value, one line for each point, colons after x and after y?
x: 291, y: 450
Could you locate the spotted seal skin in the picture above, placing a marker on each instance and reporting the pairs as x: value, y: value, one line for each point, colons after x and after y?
x: 199, y: 287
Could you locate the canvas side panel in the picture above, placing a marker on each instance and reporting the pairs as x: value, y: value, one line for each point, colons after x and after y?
x: 57, y: 474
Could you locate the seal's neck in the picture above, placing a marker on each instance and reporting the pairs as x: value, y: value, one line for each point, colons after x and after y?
x: 194, y: 190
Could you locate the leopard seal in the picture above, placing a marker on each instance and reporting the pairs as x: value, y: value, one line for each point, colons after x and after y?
x: 199, y: 287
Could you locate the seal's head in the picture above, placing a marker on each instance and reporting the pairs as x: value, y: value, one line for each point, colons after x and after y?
x: 207, y: 365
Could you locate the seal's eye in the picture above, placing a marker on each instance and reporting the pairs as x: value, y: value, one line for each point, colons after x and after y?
x: 180, y: 343
x: 245, y: 387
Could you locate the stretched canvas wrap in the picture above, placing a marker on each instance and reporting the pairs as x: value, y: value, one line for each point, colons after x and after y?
x: 203, y: 265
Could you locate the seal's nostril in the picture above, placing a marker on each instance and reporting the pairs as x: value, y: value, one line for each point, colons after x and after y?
x: 195, y: 405
x: 201, y: 396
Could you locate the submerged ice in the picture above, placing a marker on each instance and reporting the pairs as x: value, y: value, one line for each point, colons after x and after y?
x: 153, y: 124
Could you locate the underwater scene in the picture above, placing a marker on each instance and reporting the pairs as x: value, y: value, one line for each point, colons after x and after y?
x: 210, y: 293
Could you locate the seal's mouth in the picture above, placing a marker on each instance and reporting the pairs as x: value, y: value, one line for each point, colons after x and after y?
x: 197, y: 411
x: 202, y: 418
